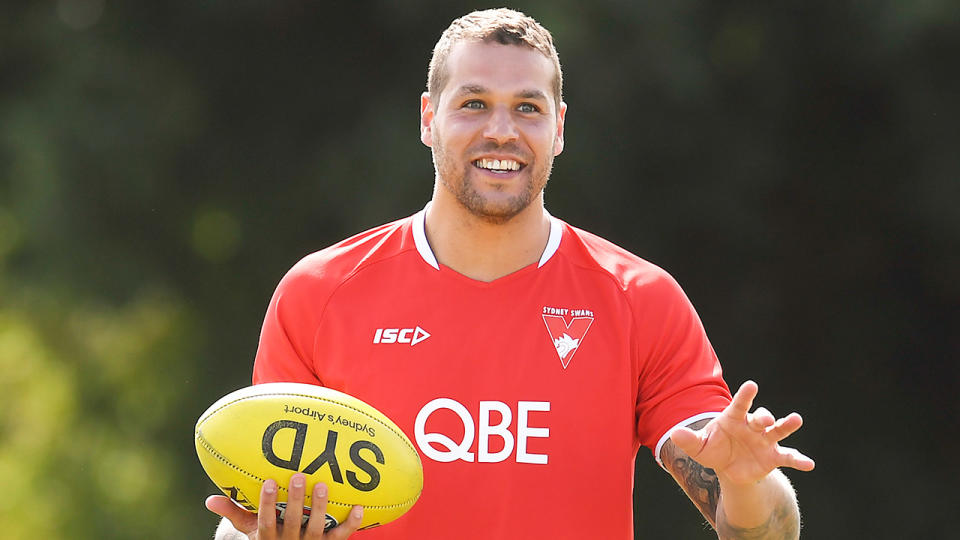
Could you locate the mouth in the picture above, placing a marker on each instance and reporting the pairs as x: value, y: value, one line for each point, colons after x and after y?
x: 499, y: 166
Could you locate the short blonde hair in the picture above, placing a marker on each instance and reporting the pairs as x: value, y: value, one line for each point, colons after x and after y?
x: 504, y: 26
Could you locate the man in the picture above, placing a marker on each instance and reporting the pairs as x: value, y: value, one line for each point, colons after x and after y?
x: 528, y: 359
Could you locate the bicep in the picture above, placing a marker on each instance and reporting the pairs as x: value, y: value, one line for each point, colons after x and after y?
x: 699, y: 483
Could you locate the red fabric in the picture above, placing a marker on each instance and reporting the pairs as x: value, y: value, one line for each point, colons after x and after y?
x: 639, y: 363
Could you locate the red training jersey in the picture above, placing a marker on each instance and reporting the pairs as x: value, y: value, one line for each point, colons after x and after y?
x: 527, y: 397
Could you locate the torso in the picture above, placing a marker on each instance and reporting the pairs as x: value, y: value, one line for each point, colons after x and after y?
x: 527, y: 386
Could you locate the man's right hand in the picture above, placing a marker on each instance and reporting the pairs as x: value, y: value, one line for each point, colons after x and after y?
x: 264, y: 526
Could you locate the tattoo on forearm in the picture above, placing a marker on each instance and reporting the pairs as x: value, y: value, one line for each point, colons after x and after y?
x: 781, y: 525
x: 700, y: 483
x: 703, y: 487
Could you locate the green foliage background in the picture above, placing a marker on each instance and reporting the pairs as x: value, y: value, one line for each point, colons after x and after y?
x: 794, y: 164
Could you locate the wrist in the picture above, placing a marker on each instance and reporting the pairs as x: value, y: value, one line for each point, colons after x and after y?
x: 735, y: 482
x: 755, y: 503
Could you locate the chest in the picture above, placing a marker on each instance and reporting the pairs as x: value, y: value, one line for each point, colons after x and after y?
x: 528, y: 358
x: 532, y: 337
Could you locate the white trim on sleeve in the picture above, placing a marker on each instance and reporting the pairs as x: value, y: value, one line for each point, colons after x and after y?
x: 682, y: 423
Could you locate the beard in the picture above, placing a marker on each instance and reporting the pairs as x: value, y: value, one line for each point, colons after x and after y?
x: 493, y: 204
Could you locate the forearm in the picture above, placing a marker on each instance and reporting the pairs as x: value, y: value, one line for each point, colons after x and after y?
x: 760, y: 511
x: 765, y: 510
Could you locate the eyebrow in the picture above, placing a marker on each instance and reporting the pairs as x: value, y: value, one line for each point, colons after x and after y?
x: 473, y: 89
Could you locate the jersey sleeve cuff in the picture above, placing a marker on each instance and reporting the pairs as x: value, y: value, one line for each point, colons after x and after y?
x: 682, y: 423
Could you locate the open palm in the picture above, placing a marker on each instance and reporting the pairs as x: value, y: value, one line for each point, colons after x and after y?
x: 743, y: 447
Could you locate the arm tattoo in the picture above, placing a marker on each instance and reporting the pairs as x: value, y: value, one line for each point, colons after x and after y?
x: 781, y: 525
x: 703, y: 487
x: 700, y: 483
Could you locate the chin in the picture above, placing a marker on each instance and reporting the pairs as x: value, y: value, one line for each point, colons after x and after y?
x: 496, y: 211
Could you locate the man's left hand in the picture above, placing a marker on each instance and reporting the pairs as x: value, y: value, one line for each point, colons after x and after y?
x: 743, y: 447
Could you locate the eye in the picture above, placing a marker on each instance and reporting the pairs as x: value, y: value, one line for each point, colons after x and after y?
x: 474, y: 104
x: 528, y: 108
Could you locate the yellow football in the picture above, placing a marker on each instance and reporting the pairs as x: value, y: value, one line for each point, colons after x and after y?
x: 277, y: 429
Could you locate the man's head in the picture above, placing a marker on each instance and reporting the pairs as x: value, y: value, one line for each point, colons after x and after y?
x: 503, y: 26
x: 495, y: 121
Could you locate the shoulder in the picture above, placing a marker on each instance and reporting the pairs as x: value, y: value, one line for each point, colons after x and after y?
x: 629, y: 272
x: 329, y: 267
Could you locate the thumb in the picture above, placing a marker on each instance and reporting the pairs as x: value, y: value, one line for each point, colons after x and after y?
x: 242, y: 520
x: 687, y: 440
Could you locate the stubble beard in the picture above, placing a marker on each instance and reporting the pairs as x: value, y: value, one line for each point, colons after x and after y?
x: 461, y: 180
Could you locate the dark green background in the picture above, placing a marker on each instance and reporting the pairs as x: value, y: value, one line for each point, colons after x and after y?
x: 793, y: 164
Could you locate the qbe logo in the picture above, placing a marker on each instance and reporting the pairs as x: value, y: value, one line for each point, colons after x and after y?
x: 410, y: 336
x: 483, y: 431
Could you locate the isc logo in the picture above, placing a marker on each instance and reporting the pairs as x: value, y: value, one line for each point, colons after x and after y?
x: 400, y: 335
x: 328, y: 457
x: 484, y: 432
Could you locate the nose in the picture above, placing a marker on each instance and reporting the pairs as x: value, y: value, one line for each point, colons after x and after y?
x: 500, y: 126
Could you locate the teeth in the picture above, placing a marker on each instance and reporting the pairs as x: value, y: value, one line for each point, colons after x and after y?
x: 497, y: 164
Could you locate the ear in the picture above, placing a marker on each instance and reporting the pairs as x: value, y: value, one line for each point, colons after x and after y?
x: 561, y: 120
x: 426, y: 119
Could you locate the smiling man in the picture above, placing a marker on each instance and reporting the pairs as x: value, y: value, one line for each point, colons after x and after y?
x: 527, y: 359
x: 494, y: 130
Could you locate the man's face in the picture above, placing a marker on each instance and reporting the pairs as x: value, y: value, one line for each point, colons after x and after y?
x: 495, y: 129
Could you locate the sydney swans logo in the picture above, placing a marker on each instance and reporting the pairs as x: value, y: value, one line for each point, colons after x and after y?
x: 565, y: 345
x: 567, y: 336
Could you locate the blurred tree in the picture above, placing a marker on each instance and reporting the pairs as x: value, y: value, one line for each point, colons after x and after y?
x: 162, y: 165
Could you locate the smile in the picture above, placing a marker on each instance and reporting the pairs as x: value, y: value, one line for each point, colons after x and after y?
x: 498, y: 165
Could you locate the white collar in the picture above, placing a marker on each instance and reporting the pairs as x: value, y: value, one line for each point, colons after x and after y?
x: 423, y: 247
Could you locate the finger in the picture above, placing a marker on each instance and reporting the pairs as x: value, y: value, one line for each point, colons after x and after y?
x: 318, y: 513
x: 267, y: 518
x: 687, y: 440
x: 742, y: 400
x: 791, y: 457
x: 760, y: 419
x: 348, y: 527
x: 243, y: 521
x: 292, y: 518
x: 784, y: 427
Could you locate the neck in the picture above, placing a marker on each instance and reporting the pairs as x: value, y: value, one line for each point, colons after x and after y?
x: 483, y: 250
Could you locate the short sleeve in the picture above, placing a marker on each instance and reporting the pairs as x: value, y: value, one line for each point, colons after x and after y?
x: 680, y: 379
x: 285, y: 351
